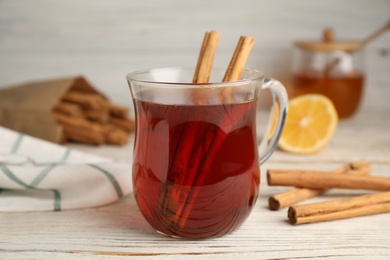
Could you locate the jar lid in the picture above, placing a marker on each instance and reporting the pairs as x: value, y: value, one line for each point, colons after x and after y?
x: 328, y: 44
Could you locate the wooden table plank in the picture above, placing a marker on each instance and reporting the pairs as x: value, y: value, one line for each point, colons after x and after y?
x: 120, y: 230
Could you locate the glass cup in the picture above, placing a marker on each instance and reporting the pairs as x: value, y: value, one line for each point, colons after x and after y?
x: 196, y: 163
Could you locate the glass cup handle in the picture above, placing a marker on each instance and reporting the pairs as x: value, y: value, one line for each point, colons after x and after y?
x: 279, y: 95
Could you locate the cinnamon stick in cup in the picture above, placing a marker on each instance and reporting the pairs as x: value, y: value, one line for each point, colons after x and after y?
x: 204, y: 64
x: 237, y: 64
x: 340, y: 209
x: 240, y: 56
x: 206, y: 57
x: 192, y: 154
x: 181, y: 159
x: 296, y: 195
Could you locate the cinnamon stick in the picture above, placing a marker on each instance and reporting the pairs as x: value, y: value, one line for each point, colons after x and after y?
x: 127, y: 124
x: 188, y: 164
x: 203, y: 67
x: 238, y: 61
x: 206, y: 57
x: 84, y: 99
x: 292, y: 196
x: 212, y: 141
x: 115, y: 135
x: 178, y: 175
x: 116, y: 110
x: 339, y: 209
x: 237, y: 65
x: 323, y: 180
x: 296, y: 195
x: 80, y: 130
x: 69, y: 109
x: 77, y: 135
x: 97, y: 115
x: 86, y: 116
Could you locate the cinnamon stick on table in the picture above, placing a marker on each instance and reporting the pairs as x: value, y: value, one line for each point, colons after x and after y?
x: 296, y: 195
x: 340, y: 209
x: 322, y: 180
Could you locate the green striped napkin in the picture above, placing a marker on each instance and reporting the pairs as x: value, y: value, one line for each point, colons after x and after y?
x: 38, y: 175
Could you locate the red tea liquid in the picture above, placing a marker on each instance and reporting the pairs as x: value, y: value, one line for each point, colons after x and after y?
x: 345, y: 91
x: 195, y: 172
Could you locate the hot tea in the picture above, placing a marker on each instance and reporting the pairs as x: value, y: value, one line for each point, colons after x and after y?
x: 196, y: 167
x: 332, y: 68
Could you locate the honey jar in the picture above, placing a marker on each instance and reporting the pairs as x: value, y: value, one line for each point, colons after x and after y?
x: 332, y: 68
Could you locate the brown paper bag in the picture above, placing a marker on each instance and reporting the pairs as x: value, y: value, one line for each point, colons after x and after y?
x: 27, y: 108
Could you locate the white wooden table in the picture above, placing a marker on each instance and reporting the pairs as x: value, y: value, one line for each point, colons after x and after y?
x: 119, y: 230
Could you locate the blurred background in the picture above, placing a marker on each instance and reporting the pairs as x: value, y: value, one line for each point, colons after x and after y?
x: 104, y: 40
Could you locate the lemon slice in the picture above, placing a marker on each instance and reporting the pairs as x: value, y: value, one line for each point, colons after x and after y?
x: 311, y: 123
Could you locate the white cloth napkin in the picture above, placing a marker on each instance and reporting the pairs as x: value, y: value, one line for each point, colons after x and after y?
x: 38, y: 175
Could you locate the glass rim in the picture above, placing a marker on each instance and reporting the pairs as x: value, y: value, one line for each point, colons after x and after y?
x: 131, y: 77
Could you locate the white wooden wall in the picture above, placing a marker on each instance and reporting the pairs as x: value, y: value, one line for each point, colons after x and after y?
x: 104, y: 40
